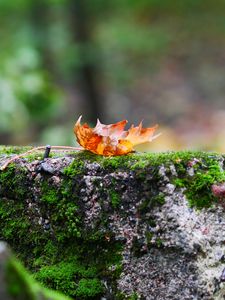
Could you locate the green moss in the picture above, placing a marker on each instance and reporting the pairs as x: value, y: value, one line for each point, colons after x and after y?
x: 149, y: 236
x: 73, y: 260
x: 68, y: 213
x: 76, y: 260
x: 12, y: 179
x: 115, y: 162
x: 159, y: 242
x: 89, y: 288
x: 148, y: 203
x: 13, y: 149
x: 14, y: 225
x: 198, y: 187
x: 80, y: 268
x: 178, y: 182
x: 159, y: 198
x: 63, y: 276
x: 132, y: 160
x: 115, y: 198
x: 122, y: 296
x: 50, y: 196
x: 76, y: 168
x: 21, y: 285
x: 179, y: 159
x: 38, y: 155
x: 134, y: 296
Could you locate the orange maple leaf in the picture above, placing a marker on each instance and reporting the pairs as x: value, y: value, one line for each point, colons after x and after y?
x: 112, y: 140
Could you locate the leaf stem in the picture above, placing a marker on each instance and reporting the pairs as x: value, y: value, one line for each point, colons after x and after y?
x: 58, y: 148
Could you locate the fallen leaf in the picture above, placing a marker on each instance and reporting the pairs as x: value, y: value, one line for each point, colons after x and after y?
x: 113, y: 139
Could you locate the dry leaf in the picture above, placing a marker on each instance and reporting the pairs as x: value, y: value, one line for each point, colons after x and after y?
x: 112, y: 140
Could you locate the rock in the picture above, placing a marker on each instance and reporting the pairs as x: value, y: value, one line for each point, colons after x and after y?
x: 140, y: 226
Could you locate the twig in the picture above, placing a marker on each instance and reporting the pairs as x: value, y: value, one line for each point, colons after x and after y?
x: 59, y: 148
x: 47, y: 151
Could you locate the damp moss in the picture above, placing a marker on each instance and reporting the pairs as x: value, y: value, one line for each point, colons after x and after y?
x: 82, y: 256
x: 79, y: 268
x: 12, y: 151
x: 6, y: 150
x: 50, y: 196
x: 134, y: 160
x: 20, y: 284
x: 114, y: 198
x: 49, y: 193
x: 206, y: 171
x: 63, y: 276
x: 14, y: 224
x: 68, y: 213
x: 89, y: 288
x: 134, y: 296
x: 159, y: 242
x: 76, y: 168
x: 149, y: 235
x: 66, y: 261
x: 13, y: 179
x: 65, y: 245
x: 150, y: 202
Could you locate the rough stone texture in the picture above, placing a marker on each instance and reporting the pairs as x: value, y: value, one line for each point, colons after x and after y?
x: 191, y: 260
x: 170, y: 249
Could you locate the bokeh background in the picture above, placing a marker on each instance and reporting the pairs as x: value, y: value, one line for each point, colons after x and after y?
x: 158, y: 60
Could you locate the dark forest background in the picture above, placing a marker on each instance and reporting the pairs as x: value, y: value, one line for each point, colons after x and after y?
x: 161, y: 61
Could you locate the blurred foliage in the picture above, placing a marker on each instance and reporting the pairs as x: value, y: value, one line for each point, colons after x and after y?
x: 27, y: 96
x: 137, y: 54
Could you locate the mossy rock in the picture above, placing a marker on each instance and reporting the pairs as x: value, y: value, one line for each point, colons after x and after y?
x: 77, y: 219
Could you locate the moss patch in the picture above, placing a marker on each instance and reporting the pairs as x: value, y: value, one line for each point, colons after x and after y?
x: 13, y: 179
x: 63, y: 277
x: 206, y: 171
x: 21, y: 286
x: 62, y: 256
x: 78, y: 269
x: 114, y: 198
x: 6, y: 150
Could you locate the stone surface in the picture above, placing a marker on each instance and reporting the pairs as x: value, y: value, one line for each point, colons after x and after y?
x: 150, y: 224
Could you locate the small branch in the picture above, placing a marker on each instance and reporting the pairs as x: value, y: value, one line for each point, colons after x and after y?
x: 47, y: 151
x: 58, y: 148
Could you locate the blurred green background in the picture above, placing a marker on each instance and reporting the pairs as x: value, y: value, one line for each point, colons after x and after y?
x: 161, y: 61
